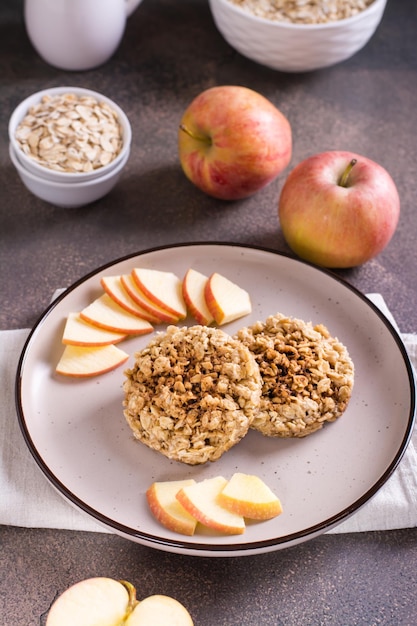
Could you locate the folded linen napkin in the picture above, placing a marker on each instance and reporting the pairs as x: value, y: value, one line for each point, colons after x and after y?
x: 27, y: 499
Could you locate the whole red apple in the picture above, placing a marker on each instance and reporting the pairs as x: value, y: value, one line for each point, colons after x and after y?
x: 232, y: 141
x: 338, y: 209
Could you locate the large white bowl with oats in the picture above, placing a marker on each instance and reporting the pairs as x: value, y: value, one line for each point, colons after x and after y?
x: 69, y: 134
x: 297, y: 36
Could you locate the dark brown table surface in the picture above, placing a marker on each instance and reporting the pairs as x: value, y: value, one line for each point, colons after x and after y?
x: 170, y: 52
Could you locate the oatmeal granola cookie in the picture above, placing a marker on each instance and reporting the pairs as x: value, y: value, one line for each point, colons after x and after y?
x: 192, y: 393
x: 307, y: 375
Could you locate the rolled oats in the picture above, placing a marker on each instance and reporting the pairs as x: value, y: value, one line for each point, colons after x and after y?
x: 303, y: 11
x: 70, y: 133
x: 307, y: 375
x: 192, y: 393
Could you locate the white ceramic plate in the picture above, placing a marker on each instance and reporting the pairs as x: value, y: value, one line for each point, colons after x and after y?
x: 77, y: 433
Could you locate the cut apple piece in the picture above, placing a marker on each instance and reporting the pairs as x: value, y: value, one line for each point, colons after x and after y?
x: 98, y: 600
x: 201, y: 501
x: 105, y: 313
x: 162, y: 288
x: 83, y: 361
x: 250, y: 497
x: 193, y: 286
x: 138, y: 296
x: 78, y: 332
x: 225, y: 300
x: 166, y: 508
x: 159, y: 610
x: 114, y: 287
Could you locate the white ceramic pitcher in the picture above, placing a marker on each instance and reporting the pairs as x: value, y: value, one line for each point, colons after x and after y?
x: 76, y: 34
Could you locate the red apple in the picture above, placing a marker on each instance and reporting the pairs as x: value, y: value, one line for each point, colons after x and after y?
x: 232, y: 141
x: 338, y: 209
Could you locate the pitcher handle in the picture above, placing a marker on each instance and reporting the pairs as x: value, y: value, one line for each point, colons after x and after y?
x: 131, y: 5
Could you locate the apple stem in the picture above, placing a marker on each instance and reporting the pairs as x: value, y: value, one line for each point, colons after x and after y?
x: 132, y: 597
x: 344, y: 177
x: 203, y: 138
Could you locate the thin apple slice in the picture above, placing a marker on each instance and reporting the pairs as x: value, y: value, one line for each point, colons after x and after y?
x: 201, y: 501
x: 105, y: 313
x: 159, y: 610
x: 138, y: 296
x: 193, y: 286
x: 98, y: 600
x: 114, y: 287
x: 84, y: 361
x: 166, y: 508
x: 162, y: 288
x: 249, y: 496
x: 78, y: 332
x: 225, y: 300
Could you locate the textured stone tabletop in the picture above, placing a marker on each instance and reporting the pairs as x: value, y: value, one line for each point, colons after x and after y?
x: 170, y: 52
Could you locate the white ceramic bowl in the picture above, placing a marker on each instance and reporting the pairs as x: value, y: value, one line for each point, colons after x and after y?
x: 31, y: 165
x: 290, y: 47
x: 71, y: 194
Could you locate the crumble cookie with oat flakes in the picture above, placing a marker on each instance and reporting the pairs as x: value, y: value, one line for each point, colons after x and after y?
x: 307, y: 375
x: 192, y: 393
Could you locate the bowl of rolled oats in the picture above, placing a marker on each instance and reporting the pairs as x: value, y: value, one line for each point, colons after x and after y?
x: 69, y: 134
x: 68, y: 195
x: 297, y: 35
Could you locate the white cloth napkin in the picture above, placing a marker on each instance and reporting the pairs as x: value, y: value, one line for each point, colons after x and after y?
x: 27, y: 499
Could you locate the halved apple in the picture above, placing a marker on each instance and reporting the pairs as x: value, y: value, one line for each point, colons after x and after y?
x: 138, y: 296
x: 159, y: 610
x: 78, y: 332
x: 193, y: 286
x: 162, y: 288
x: 167, y: 509
x: 91, y: 602
x: 249, y: 496
x: 85, y: 361
x: 225, y: 300
x: 103, y: 601
x: 106, y: 313
x: 114, y: 287
x: 201, y: 501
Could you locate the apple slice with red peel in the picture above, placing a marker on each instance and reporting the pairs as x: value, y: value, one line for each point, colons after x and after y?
x: 159, y: 610
x: 225, y: 300
x: 250, y: 497
x: 106, y: 313
x: 166, y: 508
x: 85, y: 361
x: 193, y: 286
x: 78, y: 332
x: 141, y: 298
x: 114, y: 287
x: 162, y: 288
x: 90, y: 602
x: 201, y: 501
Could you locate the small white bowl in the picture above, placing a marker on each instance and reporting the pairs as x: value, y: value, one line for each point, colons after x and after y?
x: 291, y: 47
x: 33, y: 166
x: 72, y: 194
